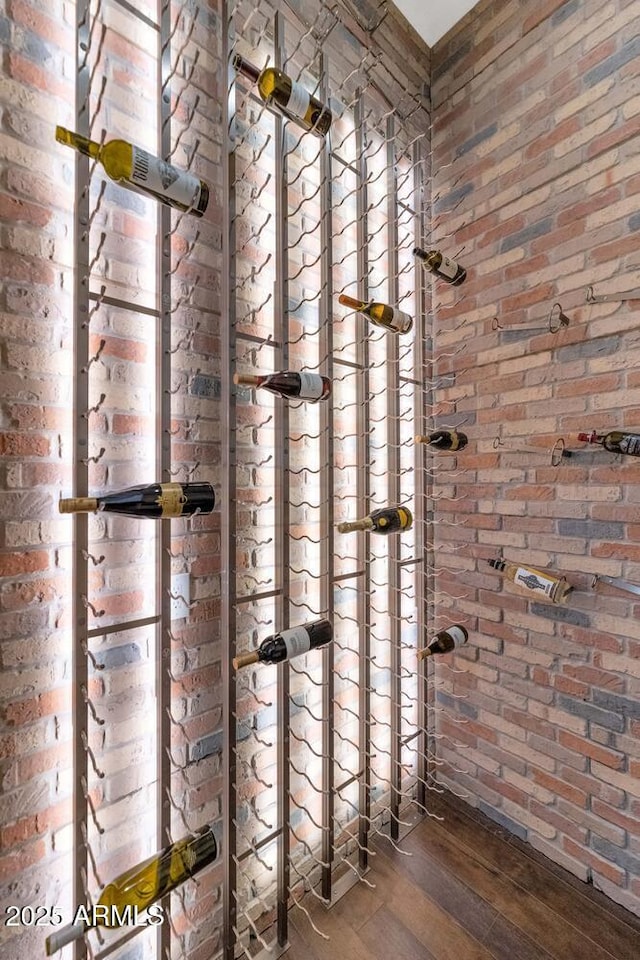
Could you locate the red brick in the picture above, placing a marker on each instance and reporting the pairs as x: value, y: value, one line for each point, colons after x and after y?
x: 560, y: 788
x: 608, y: 870
x: 559, y: 133
x: 24, y: 445
x: 31, y: 561
x: 609, y: 757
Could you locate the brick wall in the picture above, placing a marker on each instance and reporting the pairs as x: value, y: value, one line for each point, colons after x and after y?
x: 535, y: 158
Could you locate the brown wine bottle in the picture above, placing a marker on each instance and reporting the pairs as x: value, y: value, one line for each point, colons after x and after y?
x: 289, y: 384
x: 436, y: 263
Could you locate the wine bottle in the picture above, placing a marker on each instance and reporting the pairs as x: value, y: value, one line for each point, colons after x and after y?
x: 538, y: 581
x: 288, y: 644
x: 292, y: 99
x: 386, y: 520
x: 444, y: 440
x: 137, y: 170
x: 436, y: 263
x: 392, y: 319
x: 155, y: 500
x: 140, y: 886
x: 445, y: 641
x: 288, y: 383
x: 616, y: 441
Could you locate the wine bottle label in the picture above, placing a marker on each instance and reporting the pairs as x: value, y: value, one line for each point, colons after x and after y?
x: 311, y: 386
x: 400, y: 321
x: 298, y: 102
x: 534, y: 580
x: 630, y: 444
x: 163, y: 179
x: 457, y: 635
x: 448, y: 268
x: 297, y: 641
x: 171, y: 499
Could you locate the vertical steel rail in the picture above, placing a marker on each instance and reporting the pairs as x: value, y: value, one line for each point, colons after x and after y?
x: 163, y: 462
x: 424, y: 579
x: 79, y: 653
x: 393, y: 465
x: 281, y: 333
x: 363, y: 493
x: 327, y: 488
x: 228, y: 612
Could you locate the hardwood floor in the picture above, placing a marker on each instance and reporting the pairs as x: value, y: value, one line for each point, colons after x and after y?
x: 469, y: 891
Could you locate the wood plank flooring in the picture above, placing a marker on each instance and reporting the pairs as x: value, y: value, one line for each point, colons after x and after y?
x: 469, y: 891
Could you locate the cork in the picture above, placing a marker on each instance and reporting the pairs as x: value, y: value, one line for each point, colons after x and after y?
x: 78, y: 505
x: 246, y: 379
x: 246, y: 659
x: 348, y: 525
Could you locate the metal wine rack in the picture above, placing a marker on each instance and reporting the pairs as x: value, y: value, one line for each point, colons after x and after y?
x: 323, y: 755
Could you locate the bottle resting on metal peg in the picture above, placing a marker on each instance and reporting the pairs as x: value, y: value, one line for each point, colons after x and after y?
x: 541, y: 582
x: 141, y: 886
x: 450, y: 440
x: 155, y: 501
x: 290, y: 97
x: 289, y: 384
x: 616, y: 441
x: 135, y: 169
x: 440, y: 266
x: 391, y: 318
x: 386, y: 520
x: 445, y: 641
x: 288, y: 644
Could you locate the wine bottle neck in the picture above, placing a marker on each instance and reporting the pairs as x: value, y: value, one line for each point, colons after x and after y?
x: 348, y: 525
x: 247, y: 69
x: 82, y: 144
x: 246, y: 659
x: 78, y: 505
x: 351, y: 302
x: 426, y: 652
x: 247, y: 379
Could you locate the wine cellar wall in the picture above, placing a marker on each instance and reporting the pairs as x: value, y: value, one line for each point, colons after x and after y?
x: 124, y: 725
x: 535, y: 163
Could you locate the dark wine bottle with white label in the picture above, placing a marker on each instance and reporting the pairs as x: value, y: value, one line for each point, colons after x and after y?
x: 156, y: 501
x: 435, y: 262
x: 616, y: 441
x: 444, y: 440
x: 290, y: 97
x: 134, y: 168
x: 289, y: 384
x: 385, y: 520
x: 288, y: 644
x: 445, y: 641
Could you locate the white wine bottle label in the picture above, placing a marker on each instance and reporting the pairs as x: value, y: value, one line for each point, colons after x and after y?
x: 448, y: 268
x: 631, y: 444
x: 311, y: 386
x: 297, y: 641
x: 171, y: 499
x: 457, y: 635
x: 534, y: 580
x: 298, y: 102
x: 163, y: 179
x: 400, y: 321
